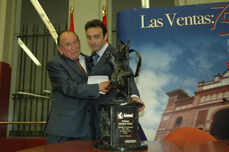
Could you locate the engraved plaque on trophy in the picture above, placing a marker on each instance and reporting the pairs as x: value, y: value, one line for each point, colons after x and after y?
x: 123, y: 122
x: 119, y: 118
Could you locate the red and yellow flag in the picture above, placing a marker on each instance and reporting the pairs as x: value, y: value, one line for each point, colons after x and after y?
x: 105, y: 17
x: 71, y: 25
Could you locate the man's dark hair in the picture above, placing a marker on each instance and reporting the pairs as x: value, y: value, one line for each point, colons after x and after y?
x: 96, y: 23
x: 58, y: 38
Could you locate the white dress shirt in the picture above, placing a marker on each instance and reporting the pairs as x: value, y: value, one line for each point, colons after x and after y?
x: 82, y: 62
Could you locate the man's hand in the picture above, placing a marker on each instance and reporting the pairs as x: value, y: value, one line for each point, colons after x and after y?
x: 139, y: 100
x: 103, y: 85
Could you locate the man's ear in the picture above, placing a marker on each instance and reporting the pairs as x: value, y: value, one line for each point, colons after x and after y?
x: 106, y: 36
x: 60, y: 49
x: 79, y: 44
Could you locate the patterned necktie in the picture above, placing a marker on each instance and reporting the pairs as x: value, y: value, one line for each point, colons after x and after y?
x: 95, y: 59
x: 81, y: 68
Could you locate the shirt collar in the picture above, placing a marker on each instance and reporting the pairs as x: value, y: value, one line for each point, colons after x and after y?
x: 100, y: 53
x: 81, y: 57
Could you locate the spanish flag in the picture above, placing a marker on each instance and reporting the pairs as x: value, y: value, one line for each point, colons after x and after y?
x: 105, y: 17
x: 71, y: 25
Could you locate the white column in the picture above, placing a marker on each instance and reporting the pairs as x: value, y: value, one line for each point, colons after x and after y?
x: 14, y: 57
x: 7, y: 16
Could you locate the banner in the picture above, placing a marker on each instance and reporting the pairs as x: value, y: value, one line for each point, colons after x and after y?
x: 185, y: 52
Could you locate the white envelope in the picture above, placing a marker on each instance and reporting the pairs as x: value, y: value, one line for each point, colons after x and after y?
x: 97, y: 79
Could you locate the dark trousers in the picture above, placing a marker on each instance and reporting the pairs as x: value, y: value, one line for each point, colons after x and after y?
x: 96, y: 128
x: 51, y: 139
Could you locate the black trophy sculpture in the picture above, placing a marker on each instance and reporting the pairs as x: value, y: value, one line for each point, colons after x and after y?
x: 119, y: 118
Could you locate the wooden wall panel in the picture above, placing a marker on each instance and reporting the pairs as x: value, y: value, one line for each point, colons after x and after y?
x: 5, y: 79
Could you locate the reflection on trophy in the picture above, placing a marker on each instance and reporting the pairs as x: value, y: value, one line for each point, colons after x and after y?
x: 119, y: 118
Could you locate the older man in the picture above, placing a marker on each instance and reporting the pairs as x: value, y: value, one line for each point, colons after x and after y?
x: 70, y: 111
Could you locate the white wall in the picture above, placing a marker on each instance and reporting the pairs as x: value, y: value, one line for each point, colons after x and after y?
x: 85, y: 10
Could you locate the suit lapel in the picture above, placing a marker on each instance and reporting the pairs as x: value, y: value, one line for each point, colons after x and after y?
x: 87, y: 63
x: 101, y: 62
x: 90, y: 63
x: 73, y: 65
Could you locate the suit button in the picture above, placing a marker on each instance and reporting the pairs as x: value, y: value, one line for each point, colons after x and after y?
x: 89, y: 110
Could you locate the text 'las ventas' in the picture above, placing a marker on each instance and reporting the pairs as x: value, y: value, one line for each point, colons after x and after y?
x: 180, y: 21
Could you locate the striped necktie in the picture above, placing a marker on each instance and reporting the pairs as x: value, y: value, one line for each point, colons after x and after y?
x: 81, y: 68
x: 95, y: 59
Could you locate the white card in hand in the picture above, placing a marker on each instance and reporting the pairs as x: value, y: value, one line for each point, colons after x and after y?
x: 97, y: 79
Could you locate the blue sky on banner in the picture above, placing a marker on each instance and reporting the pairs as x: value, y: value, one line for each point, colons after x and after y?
x: 179, y: 46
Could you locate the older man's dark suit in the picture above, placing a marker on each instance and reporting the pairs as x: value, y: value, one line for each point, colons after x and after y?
x: 70, y: 110
x: 103, y: 68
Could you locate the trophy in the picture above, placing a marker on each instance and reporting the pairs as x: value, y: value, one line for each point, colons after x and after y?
x: 119, y: 118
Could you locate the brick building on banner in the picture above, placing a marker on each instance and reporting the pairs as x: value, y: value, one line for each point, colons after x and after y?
x: 207, y: 110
